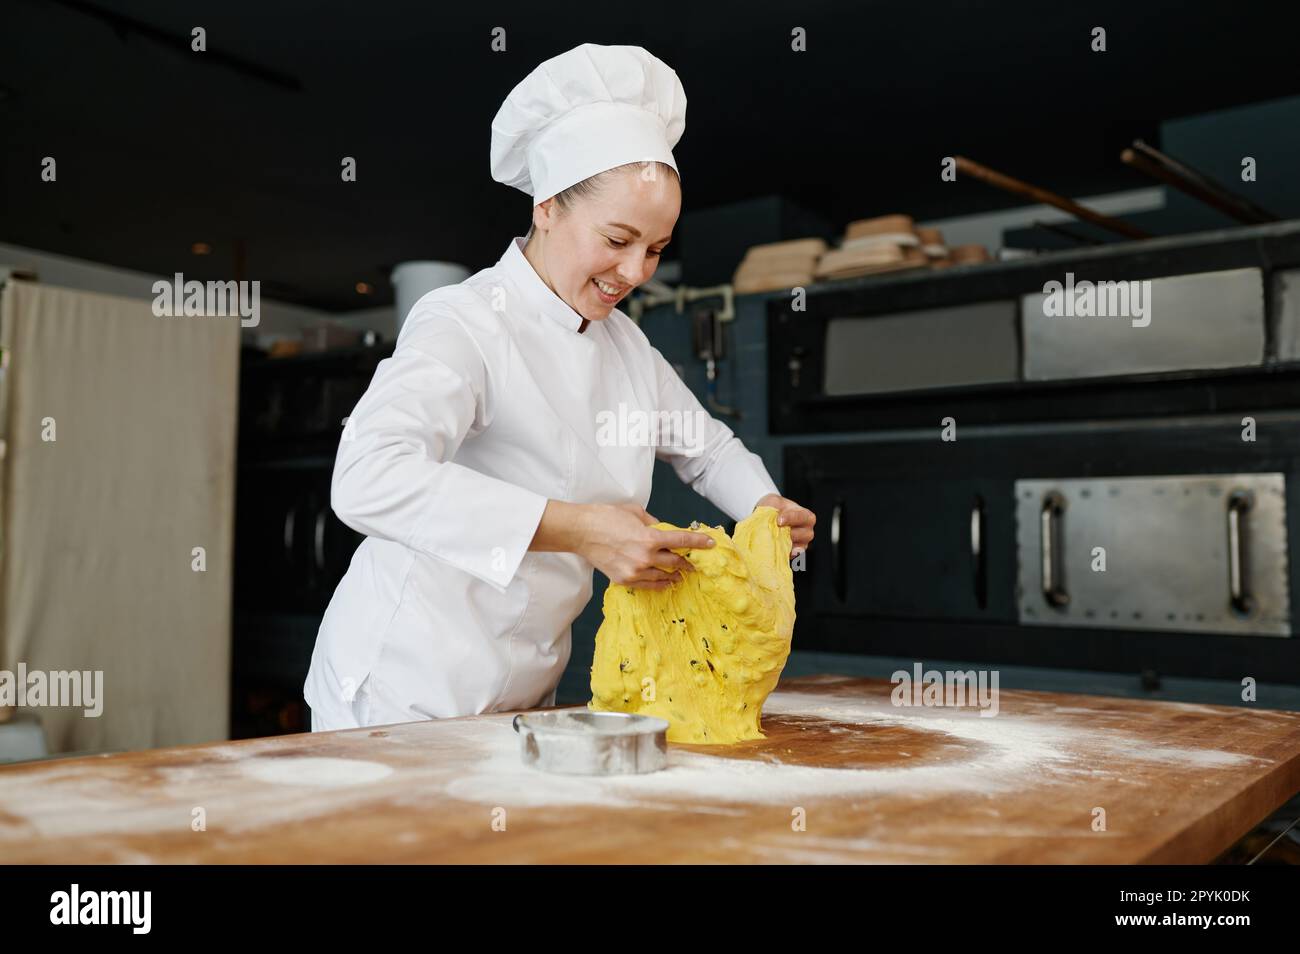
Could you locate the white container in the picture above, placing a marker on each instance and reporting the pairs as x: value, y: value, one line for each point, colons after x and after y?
x: 413, y: 280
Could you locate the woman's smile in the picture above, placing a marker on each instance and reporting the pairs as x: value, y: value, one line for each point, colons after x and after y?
x: 609, y: 294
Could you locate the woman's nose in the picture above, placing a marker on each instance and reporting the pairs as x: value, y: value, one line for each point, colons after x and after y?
x: 633, y: 270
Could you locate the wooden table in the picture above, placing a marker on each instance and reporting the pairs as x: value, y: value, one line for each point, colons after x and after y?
x: 843, y: 776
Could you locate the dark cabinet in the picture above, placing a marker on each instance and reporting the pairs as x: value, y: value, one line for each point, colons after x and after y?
x: 290, y: 548
x: 928, y: 548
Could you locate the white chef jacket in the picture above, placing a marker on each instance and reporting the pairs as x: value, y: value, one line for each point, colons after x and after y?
x: 490, y: 405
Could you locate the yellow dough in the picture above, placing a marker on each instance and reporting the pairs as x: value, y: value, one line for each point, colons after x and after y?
x: 705, y: 652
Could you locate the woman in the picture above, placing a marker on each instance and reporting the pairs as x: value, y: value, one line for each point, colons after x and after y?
x: 472, y: 463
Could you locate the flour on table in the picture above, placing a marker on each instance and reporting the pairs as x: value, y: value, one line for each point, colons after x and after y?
x: 315, y: 771
x: 1007, y: 751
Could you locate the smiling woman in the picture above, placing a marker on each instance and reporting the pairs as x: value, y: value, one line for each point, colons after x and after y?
x: 602, y: 237
x: 476, y: 464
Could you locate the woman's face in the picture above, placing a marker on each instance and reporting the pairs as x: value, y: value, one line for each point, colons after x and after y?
x: 595, y: 253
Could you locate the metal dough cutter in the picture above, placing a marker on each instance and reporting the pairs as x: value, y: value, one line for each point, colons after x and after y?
x: 581, y: 742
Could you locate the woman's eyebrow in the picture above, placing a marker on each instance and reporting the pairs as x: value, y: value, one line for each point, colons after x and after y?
x: 636, y: 233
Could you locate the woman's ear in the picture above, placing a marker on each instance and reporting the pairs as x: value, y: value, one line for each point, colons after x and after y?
x: 544, y: 215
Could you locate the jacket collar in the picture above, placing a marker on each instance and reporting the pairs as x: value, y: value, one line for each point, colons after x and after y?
x: 536, y: 292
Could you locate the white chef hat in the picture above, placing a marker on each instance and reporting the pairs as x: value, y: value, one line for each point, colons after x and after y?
x: 585, y: 111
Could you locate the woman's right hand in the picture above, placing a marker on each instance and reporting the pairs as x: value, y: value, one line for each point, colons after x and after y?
x: 618, y: 540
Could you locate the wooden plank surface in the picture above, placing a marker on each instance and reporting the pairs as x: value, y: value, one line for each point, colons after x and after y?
x: 873, y: 782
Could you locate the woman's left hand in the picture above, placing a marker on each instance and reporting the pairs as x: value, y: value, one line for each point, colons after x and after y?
x: 799, y: 519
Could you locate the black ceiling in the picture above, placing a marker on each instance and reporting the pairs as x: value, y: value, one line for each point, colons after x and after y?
x: 159, y: 147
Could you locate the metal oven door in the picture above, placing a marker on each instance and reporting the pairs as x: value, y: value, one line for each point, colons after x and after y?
x: 1187, y: 553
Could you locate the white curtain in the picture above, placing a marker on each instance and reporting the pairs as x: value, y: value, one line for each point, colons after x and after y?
x: 99, y: 526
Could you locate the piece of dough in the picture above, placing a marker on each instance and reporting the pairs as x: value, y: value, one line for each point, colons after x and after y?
x: 705, y: 652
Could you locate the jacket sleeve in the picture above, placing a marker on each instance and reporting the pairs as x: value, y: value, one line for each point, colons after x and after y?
x: 703, y: 451
x: 393, y: 476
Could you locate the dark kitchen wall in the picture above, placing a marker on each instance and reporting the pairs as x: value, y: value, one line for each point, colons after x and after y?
x: 1215, y: 144
x: 159, y: 147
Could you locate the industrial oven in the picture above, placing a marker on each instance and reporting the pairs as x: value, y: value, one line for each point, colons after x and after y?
x: 998, y: 481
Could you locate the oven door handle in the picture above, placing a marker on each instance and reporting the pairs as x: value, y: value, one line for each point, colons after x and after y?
x: 318, y: 537
x: 290, y: 519
x: 1051, y: 529
x: 1239, y: 504
x: 837, y: 551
